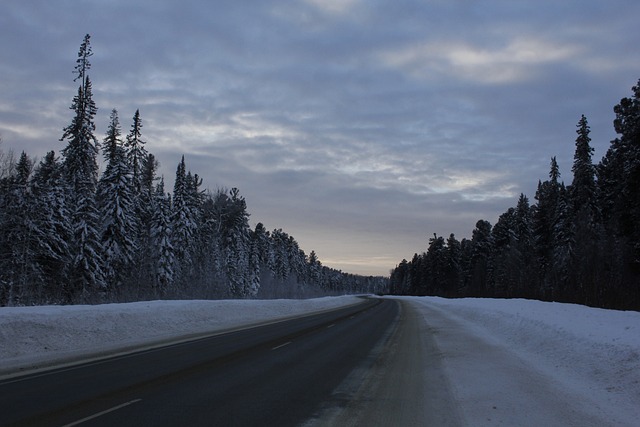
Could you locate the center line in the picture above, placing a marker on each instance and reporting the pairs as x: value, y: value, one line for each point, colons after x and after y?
x: 99, y: 414
x: 281, y: 345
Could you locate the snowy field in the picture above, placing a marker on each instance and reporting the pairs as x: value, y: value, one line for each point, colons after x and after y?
x: 507, y: 362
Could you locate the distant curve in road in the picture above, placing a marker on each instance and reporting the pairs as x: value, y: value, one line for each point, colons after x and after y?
x: 278, y: 374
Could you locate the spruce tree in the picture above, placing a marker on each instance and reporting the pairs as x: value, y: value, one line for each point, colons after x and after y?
x: 583, y: 188
x: 117, y: 208
x: 81, y: 172
x: 161, y: 233
x: 51, y: 214
x: 136, y: 152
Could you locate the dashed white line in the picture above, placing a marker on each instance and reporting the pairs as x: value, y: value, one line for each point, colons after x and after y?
x: 281, y: 345
x: 331, y: 325
x: 99, y: 414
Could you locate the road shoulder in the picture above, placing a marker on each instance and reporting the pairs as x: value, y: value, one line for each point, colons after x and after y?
x: 401, y: 383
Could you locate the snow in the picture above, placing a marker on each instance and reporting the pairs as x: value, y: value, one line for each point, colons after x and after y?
x: 507, y: 362
x: 523, y: 362
x: 41, y: 336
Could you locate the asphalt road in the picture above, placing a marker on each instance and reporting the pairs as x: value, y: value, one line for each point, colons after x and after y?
x: 281, y: 374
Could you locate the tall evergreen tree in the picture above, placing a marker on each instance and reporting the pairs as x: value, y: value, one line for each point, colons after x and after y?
x: 117, y: 208
x: 544, y: 221
x: 583, y: 188
x: 136, y: 152
x: 481, y: 268
x: 163, y: 255
x: 51, y: 213
x: 585, y: 218
x: 81, y: 171
x: 17, y: 236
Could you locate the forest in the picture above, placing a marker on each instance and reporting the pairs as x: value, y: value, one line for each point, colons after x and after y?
x: 71, y: 234
x: 578, y: 243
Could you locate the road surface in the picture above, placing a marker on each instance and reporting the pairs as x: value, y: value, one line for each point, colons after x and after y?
x: 304, y: 370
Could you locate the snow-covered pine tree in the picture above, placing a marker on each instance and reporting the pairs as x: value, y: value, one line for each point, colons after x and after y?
x: 52, y: 218
x: 81, y: 173
x: 237, y: 246
x: 315, y: 270
x: 18, y: 270
x: 145, y: 205
x: 280, y: 267
x: 115, y: 195
x: 136, y: 152
x: 184, y: 221
x: 164, y: 258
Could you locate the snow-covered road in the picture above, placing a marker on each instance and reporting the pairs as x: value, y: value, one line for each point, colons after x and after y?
x: 529, y: 363
x: 485, y: 362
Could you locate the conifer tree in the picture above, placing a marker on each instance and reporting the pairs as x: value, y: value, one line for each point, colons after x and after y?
x: 81, y: 172
x: 583, y: 188
x: 51, y: 214
x: 136, y: 152
x: 163, y: 248
x: 117, y: 208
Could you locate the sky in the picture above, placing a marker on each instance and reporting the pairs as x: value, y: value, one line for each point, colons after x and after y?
x: 359, y: 127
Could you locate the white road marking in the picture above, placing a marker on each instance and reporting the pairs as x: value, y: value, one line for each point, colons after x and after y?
x: 281, y: 345
x: 99, y: 414
x: 331, y: 325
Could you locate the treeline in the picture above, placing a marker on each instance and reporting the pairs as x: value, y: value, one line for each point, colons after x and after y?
x: 578, y: 243
x: 69, y: 234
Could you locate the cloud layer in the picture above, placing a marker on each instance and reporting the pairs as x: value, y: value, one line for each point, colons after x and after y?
x: 359, y: 127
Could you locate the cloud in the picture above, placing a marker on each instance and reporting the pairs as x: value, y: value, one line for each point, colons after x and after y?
x: 516, y: 61
x: 336, y: 7
x: 361, y: 128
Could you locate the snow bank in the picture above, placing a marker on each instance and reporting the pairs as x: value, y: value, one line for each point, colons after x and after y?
x: 591, y: 354
x: 32, y: 337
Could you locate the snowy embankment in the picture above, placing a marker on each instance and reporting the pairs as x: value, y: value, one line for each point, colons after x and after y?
x: 521, y: 362
x: 32, y: 337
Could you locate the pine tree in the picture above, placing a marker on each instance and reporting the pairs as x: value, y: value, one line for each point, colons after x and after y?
x: 117, y: 208
x: 585, y: 217
x: 136, y: 153
x: 81, y: 172
x: 505, y: 255
x: 17, y: 237
x: 544, y: 220
x: 583, y: 188
x: 453, y: 268
x: 619, y: 175
x: 163, y: 248
x: 481, y: 268
x: 145, y: 206
x: 52, y: 217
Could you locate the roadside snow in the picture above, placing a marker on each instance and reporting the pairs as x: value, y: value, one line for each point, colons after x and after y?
x: 531, y: 363
x: 34, y: 337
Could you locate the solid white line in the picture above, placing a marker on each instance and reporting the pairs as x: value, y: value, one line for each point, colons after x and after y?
x: 281, y: 345
x: 99, y: 414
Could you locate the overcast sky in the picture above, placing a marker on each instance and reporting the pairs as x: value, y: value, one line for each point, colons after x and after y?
x: 360, y: 127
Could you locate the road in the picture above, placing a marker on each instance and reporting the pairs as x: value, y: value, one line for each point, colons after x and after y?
x: 304, y: 370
